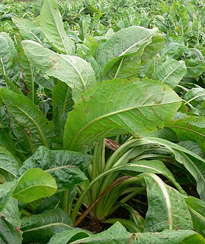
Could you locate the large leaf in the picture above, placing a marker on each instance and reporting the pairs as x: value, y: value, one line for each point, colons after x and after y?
x: 74, y: 71
x: 41, y: 227
x: 10, y: 224
x: 152, y: 166
x: 117, y: 234
x: 33, y: 185
x: 124, y: 42
x: 167, y: 207
x: 6, y: 191
x: 190, y: 128
x: 66, y: 236
x: 52, y: 27
x: 117, y: 107
x: 30, y: 122
x: 149, y: 54
x: 170, y: 72
x: 64, y: 166
x: 194, y: 67
x: 191, y: 161
x: 30, y: 30
x: 62, y: 103
x: 8, y: 165
x: 9, y: 68
x: 197, y: 210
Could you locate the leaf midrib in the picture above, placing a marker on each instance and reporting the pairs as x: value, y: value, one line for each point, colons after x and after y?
x: 33, y: 186
x: 185, y: 128
x: 168, y: 75
x: 108, y: 115
x: 167, y: 199
x: 78, y: 72
x: 43, y: 138
x: 60, y: 167
x: 51, y: 9
x: 45, y: 226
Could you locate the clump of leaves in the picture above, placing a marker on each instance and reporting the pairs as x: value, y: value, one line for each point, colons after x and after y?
x: 89, y: 125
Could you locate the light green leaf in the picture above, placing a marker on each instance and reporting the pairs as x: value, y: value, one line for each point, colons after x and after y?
x: 126, y: 41
x: 170, y: 72
x: 167, y: 207
x: 34, y: 128
x: 149, y: 53
x: 30, y: 30
x: 74, y: 71
x: 33, y: 185
x: 41, y: 227
x: 117, y: 107
x: 194, y: 67
x: 64, y: 166
x: 52, y: 27
x: 9, y: 68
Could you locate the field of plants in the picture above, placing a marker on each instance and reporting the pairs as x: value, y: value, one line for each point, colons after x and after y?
x: 102, y: 122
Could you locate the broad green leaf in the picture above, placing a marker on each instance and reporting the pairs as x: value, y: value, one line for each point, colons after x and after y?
x: 64, y: 166
x: 34, y: 128
x: 126, y: 41
x: 66, y: 236
x: 7, y: 142
x: 49, y: 203
x: 33, y: 185
x: 41, y: 227
x: 167, y: 207
x: 172, y: 50
x: 126, y: 67
x: 6, y: 191
x: 149, y: 53
x: 28, y: 76
x: 193, y: 147
x: 74, y: 71
x: 52, y: 27
x: 117, y: 234
x: 197, y: 210
x: 194, y: 67
x: 191, y: 161
x: 85, y: 53
x: 8, y: 165
x: 10, y: 232
x: 9, y: 68
x: 189, y: 128
x: 152, y: 166
x: 62, y: 103
x: 117, y: 107
x: 30, y: 30
x: 170, y: 72
x: 195, y: 96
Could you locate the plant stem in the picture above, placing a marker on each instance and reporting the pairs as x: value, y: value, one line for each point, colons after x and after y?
x: 87, y: 211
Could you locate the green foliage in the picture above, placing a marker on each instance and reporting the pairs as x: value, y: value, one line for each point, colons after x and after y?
x: 102, y: 122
